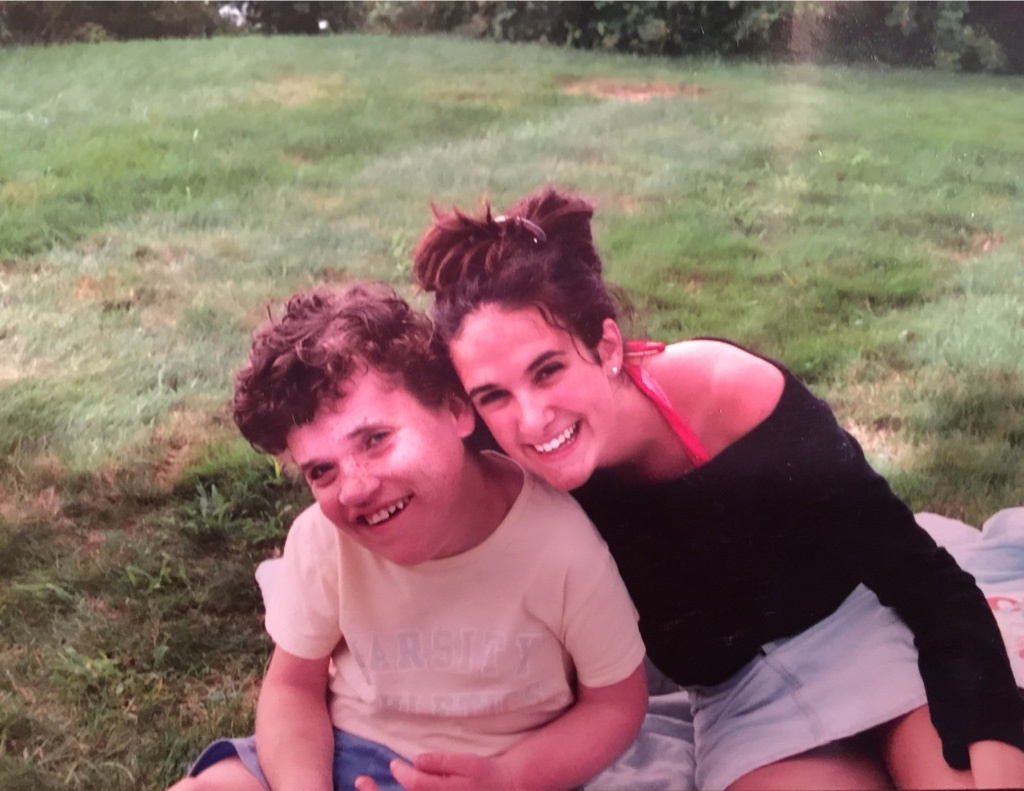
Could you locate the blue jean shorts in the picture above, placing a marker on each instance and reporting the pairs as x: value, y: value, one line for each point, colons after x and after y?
x: 353, y: 757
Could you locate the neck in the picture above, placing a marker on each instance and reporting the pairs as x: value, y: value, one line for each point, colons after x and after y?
x: 649, y: 450
x: 488, y: 489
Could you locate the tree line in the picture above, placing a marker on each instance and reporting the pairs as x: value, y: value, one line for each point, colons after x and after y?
x: 957, y: 36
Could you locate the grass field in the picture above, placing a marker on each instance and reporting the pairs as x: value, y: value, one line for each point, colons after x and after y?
x: 865, y: 227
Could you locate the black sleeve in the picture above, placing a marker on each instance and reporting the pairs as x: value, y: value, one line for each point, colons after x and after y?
x: 871, y: 533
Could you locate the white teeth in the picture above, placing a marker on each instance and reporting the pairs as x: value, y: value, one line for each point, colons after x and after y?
x: 558, y: 441
x: 386, y: 513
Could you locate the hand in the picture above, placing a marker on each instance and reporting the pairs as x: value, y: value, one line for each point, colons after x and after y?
x: 450, y: 772
x: 366, y: 783
x: 996, y: 765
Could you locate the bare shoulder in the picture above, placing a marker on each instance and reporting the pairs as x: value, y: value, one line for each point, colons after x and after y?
x: 721, y: 390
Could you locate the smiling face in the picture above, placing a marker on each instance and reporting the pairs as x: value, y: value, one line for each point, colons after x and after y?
x: 386, y: 470
x: 544, y: 397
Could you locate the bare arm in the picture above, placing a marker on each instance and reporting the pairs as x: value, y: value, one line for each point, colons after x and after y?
x: 996, y: 765
x: 586, y: 739
x: 294, y: 738
x: 563, y: 754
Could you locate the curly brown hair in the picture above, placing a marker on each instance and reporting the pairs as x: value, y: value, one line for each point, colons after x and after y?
x: 540, y: 254
x: 324, y: 339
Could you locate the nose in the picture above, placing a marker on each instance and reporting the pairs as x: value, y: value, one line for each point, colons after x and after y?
x: 534, y: 414
x: 358, y: 485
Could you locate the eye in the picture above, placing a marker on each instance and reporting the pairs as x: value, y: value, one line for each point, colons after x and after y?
x: 490, y: 398
x: 547, y: 371
x: 375, y: 438
x: 319, y: 473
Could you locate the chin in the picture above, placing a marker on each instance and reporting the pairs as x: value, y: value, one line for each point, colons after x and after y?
x: 404, y: 558
x: 572, y: 482
x: 565, y: 479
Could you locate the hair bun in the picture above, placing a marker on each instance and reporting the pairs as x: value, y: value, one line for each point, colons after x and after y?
x: 458, y: 247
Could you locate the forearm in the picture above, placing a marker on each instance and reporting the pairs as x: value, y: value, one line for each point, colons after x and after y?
x: 295, y: 741
x: 581, y: 743
x: 294, y: 737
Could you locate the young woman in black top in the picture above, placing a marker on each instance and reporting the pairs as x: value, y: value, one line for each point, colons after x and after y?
x: 777, y: 576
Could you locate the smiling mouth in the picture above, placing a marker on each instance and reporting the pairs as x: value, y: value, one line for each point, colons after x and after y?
x: 384, y: 514
x: 560, y: 441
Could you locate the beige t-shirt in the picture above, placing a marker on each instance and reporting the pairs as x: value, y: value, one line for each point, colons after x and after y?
x: 465, y: 653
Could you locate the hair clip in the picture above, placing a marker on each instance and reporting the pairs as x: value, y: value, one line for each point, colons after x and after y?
x: 530, y: 225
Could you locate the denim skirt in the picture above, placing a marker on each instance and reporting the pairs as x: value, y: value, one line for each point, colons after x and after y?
x: 846, y: 674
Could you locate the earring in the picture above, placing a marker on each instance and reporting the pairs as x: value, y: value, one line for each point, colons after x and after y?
x: 615, y: 370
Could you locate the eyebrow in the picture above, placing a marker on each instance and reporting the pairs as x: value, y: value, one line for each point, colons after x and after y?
x: 305, y: 468
x: 361, y: 430
x: 537, y: 362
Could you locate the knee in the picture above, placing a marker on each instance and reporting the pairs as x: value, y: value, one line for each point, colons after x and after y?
x: 913, y: 754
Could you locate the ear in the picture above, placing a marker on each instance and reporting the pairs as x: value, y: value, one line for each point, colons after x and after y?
x: 464, y: 414
x: 610, y: 347
x: 284, y: 463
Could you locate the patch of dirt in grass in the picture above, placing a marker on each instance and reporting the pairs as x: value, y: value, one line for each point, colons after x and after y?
x: 20, y: 191
x: 93, y: 243
x: 297, y: 159
x: 964, y: 249
x: 883, y: 438
x: 626, y: 91
x: 90, y: 289
x: 871, y: 410
x: 297, y: 91
x: 163, y: 253
x: 977, y: 244
x: 324, y: 201
x: 182, y: 439
x: 13, y: 364
x: 43, y: 505
x: 10, y: 512
x: 102, y: 608
x: 25, y: 266
x: 624, y: 203
x: 177, y: 455
x: 15, y: 656
x: 168, y: 271
x: 331, y: 277
x: 987, y: 241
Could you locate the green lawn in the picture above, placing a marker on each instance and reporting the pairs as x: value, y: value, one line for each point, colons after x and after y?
x: 866, y: 227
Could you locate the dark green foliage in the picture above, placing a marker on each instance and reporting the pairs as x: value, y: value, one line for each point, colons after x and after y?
x: 60, y: 22
x: 390, y: 16
x: 1004, y: 24
x: 297, y: 18
x: 238, y: 494
x: 978, y: 36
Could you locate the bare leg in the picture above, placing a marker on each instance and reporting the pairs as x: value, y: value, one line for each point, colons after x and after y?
x: 847, y: 764
x: 913, y: 752
x: 227, y: 775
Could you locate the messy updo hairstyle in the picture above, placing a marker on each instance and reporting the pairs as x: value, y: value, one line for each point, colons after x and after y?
x: 540, y: 254
x: 326, y: 337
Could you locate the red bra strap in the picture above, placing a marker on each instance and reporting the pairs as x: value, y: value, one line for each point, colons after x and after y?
x: 691, y: 444
x: 641, y: 348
